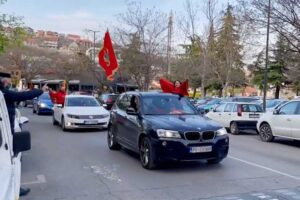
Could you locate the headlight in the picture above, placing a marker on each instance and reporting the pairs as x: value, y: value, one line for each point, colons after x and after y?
x: 167, y: 134
x: 42, y: 105
x: 73, y: 116
x: 221, y: 132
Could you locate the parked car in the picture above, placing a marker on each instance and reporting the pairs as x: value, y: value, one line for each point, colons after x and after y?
x: 205, y: 108
x: 108, y: 100
x: 236, y: 116
x: 242, y: 99
x: 89, y: 93
x: 272, y: 104
x: 282, y: 122
x: 162, y: 127
x: 42, y: 104
x: 10, y: 158
x: 80, y: 111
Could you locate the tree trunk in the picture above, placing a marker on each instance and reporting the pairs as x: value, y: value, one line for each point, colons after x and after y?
x: 204, y: 91
x: 220, y: 92
x: 277, y: 91
x: 194, y: 92
x: 297, y: 92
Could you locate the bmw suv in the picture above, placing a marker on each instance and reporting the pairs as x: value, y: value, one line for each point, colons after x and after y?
x: 162, y: 127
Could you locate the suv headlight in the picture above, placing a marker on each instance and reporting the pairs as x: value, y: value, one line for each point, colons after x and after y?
x: 42, y: 105
x: 221, y: 132
x: 73, y: 116
x: 167, y: 133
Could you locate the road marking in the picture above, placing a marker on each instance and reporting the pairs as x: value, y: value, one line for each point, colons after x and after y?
x: 39, y: 179
x: 266, y: 168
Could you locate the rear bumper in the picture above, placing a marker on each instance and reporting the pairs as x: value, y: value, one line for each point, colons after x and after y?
x: 46, y: 110
x: 247, y: 125
x: 180, y: 150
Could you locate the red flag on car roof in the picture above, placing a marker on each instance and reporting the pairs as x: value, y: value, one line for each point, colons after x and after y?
x: 107, y: 57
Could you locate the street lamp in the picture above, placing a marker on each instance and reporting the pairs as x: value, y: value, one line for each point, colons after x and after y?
x: 94, y: 52
x: 267, y: 58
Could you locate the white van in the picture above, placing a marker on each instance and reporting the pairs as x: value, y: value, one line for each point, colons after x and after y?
x: 10, y: 148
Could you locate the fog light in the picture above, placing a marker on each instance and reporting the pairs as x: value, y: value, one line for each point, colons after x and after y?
x: 226, y: 140
x: 69, y: 123
x: 164, y: 143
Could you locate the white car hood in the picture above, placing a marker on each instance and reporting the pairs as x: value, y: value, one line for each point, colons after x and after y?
x: 86, y: 110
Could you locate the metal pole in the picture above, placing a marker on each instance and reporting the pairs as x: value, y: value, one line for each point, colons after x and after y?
x: 267, y: 57
x: 94, y: 60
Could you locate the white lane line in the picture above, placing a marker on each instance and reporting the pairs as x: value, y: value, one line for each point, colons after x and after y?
x: 39, y: 179
x: 265, y: 168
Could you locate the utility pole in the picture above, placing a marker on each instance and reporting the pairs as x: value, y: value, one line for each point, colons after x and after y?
x: 94, y: 52
x: 267, y: 58
x: 169, y: 48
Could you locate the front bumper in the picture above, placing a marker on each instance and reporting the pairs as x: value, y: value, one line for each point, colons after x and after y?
x: 86, y: 124
x: 170, y: 149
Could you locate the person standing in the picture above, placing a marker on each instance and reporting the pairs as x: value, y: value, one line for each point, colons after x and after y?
x: 11, y: 98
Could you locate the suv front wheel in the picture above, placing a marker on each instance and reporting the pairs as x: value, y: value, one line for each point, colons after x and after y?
x: 147, y: 154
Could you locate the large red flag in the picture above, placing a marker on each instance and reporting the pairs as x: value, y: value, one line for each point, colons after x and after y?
x: 107, y: 58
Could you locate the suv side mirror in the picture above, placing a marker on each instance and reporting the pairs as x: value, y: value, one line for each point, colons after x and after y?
x: 131, y: 111
x: 21, y: 142
x: 276, y: 112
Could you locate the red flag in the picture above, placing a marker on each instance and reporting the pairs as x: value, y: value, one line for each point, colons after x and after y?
x: 107, y: 58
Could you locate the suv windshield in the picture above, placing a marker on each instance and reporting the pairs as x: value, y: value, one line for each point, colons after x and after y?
x: 82, y: 102
x: 167, y: 105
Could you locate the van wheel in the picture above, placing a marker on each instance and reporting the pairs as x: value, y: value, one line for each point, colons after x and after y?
x: 111, y: 140
x: 234, y: 129
x: 265, y: 133
x: 147, y: 155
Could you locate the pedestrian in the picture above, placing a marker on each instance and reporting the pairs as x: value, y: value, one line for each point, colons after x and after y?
x: 58, y: 97
x: 177, y: 87
x: 11, y: 98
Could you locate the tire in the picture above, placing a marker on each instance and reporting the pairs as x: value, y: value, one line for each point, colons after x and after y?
x: 38, y: 112
x: 147, y: 154
x: 33, y: 110
x: 63, y: 124
x: 234, y: 129
x: 265, y: 133
x: 214, y: 161
x: 54, y: 122
x: 111, y: 141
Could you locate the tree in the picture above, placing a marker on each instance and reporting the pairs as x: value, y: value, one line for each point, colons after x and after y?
x: 150, y: 26
x: 228, y: 50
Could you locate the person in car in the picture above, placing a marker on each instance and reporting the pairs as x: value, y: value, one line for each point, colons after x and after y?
x: 59, y: 97
x: 11, y: 98
x: 176, y: 87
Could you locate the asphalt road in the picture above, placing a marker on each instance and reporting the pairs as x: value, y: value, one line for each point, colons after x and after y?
x: 79, y: 166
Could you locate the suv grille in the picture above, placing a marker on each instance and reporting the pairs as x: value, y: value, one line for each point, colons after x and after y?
x: 192, y: 135
x: 208, y: 135
x: 200, y: 136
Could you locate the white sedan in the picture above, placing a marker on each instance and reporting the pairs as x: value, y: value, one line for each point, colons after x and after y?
x: 80, y: 111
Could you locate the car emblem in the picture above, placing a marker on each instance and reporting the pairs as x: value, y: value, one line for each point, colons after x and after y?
x: 91, y: 117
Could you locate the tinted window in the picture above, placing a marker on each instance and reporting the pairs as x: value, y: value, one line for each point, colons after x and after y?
x: 228, y: 107
x: 251, y: 108
x: 124, y: 102
x: 82, y: 102
x: 290, y: 108
x: 220, y: 108
x: 167, y: 105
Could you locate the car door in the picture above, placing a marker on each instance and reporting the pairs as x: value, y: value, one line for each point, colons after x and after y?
x: 217, y: 114
x: 282, y: 122
x: 227, y: 115
x: 295, y: 121
x: 132, y: 125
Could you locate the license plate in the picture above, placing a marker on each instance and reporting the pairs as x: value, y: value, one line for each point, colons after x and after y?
x: 254, y: 115
x: 202, y: 149
x: 91, y: 122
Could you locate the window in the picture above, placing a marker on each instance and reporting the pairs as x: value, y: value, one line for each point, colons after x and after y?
x: 124, y: 102
x: 290, y: 108
x: 228, y: 107
x: 251, y: 108
x: 82, y: 102
x: 220, y: 108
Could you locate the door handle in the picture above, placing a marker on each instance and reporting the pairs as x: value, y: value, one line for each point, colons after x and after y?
x: 220, y: 114
x: 288, y: 119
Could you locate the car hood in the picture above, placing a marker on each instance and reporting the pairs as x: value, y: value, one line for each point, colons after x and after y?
x: 182, y: 122
x: 86, y: 110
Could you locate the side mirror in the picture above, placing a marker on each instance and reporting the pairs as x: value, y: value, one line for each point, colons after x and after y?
x: 276, y: 112
x: 21, y: 142
x: 24, y: 120
x: 131, y: 111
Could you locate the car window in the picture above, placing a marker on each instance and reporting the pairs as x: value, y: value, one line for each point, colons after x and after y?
x: 251, y: 108
x: 167, y: 105
x: 82, y: 102
x: 124, y: 102
x: 220, y: 108
x: 290, y: 108
x: 228, y: 107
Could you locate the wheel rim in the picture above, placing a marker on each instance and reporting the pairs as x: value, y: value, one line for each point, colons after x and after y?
x: 233, y: 128
x: 110, y: 137
x: 145, y: 153
x: 265, y: 132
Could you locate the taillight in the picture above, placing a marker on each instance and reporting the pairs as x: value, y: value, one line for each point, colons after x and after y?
x: 239, y: 111
x: 109, y: 101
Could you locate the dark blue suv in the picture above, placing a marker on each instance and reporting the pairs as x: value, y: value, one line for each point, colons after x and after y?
x: 162, y: 127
